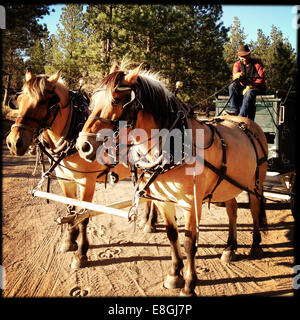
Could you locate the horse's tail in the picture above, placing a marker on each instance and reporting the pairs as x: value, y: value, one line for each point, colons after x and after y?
x: 262, y: 218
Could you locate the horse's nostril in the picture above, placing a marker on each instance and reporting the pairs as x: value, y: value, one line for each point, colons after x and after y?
x: 86, y: 147
x: 9, y: 145
x: 19, y: 143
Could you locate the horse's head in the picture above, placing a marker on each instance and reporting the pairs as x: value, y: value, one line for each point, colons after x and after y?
x: 114, y: 101
x: 37, y: 106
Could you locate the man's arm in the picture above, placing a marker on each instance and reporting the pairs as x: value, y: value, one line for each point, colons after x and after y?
x: 260, y: 82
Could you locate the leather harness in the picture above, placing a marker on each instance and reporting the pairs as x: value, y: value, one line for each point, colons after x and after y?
x: 186, y: 112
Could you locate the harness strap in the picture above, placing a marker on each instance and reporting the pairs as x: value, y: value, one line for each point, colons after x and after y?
x: 225, y: 177
x: 23, y: 126
x: 54, y: 164
x: 243, y: 127
x: 222, y: 175
x: 223, y: 168
x: 143, y: 192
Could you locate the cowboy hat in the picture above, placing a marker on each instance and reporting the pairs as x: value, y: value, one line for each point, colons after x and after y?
x: 243, y: 51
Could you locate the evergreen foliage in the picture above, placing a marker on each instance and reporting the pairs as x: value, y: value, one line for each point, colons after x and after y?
x: 183, y: 42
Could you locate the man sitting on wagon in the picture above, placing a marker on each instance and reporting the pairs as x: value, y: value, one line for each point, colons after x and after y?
x: 250, y: 81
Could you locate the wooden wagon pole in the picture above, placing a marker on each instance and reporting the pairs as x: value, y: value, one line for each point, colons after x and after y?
x: 94, y: 209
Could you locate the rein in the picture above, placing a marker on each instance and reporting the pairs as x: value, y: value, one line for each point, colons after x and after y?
x: 66, y: 145
x: 43, y: 123
x: 138, y: 106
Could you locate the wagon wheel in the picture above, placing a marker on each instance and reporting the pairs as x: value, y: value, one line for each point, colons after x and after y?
x: 288, y: 181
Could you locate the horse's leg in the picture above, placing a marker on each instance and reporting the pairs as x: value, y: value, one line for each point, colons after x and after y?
x: 259, y: 221
x: 151, y: 218
x: 229, y: 252
x: 190, y: 276
x: 174, y: 278
x: 145, y: 217
x: 80, y: 257
x: 69, y: 189
x: 257, y: 207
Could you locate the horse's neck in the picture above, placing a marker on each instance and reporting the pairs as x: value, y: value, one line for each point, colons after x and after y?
x: 60, y: 122
x: 145, y: 122
x: 150, y: 146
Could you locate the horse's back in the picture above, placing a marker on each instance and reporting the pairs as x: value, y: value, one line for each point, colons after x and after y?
x: 251, y: 125
x: 242, y: 155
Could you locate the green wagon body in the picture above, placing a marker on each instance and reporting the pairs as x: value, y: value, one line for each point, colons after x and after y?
x: 278, y: 124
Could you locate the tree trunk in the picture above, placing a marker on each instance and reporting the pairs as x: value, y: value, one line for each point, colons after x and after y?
x: 7, y: 86
x: 109, y: 37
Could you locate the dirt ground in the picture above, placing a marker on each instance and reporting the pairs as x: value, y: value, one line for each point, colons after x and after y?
x: 123, y: 263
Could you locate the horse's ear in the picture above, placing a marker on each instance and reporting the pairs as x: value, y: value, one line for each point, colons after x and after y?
x: 54, y: 78
x: 28, y: 74
x: 114, y: 67
x: 132, y: 76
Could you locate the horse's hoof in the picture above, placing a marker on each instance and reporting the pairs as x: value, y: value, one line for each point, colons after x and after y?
x: 256, y: 253
x: 228, y: 256
x: 78, y: 263
x: 149, y: 229
x: 68, y: 246
x: 185, y: 294
x: 173, y: 282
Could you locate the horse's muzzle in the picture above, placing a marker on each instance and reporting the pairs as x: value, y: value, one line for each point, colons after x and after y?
x: 16, y: 146
x: 87, y: 147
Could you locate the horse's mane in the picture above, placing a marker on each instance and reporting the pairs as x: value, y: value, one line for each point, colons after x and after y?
x: 36, y: 87
x: 151, y: 92
x: 156, y: 98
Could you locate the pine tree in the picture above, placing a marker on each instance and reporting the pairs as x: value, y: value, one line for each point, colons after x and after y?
x: 281, y: 71
x: 278, y: 57
x: 237, y: 37
x: 37, y: 54
x: 69, y: 45
x: 22, y: 29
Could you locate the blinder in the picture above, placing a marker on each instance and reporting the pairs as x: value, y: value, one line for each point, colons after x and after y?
x: 43, y: 123
x: 53, y: 101
x: 13, y: 100
x: 133, y: 98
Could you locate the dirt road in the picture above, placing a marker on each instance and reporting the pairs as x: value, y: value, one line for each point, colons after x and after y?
x: 122, y: 263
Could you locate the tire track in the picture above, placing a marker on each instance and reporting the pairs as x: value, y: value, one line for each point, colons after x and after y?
x: 29, y: 275
x: 35, y: 267
x: 54, y: 264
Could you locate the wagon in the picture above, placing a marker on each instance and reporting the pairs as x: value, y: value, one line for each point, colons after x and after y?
x: 276, y: 116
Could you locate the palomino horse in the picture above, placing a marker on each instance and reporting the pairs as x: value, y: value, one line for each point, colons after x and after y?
x: 231, y: 157
x: 45, y: 106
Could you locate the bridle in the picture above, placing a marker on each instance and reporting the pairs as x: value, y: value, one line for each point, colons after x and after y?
x: 53, y: 104
x: 127, y: 108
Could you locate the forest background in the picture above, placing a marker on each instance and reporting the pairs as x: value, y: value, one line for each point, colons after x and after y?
x: 187, y: 43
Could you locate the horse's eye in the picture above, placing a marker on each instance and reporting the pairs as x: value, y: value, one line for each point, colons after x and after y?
x: 116, y: 101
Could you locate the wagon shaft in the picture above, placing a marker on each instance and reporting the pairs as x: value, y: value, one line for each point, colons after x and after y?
x: 93, y: 209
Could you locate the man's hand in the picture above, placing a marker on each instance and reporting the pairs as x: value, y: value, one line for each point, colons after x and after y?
x: 247, y: 89
x: 237, y: 75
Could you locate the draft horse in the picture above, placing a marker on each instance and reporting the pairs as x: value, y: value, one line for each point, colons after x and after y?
x: 47, y: 108
x: 235, y: 155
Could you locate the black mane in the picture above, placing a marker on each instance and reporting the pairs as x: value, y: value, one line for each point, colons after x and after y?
x: 158, y: 101
x: 155, y: 98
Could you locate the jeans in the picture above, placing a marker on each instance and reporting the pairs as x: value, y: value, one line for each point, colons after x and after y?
x: 243, y: 105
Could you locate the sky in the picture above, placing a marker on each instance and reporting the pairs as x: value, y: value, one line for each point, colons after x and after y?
x: 252, y: 18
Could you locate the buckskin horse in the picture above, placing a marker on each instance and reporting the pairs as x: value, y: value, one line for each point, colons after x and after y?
x: 235, y: 159
x: 48, y: 108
